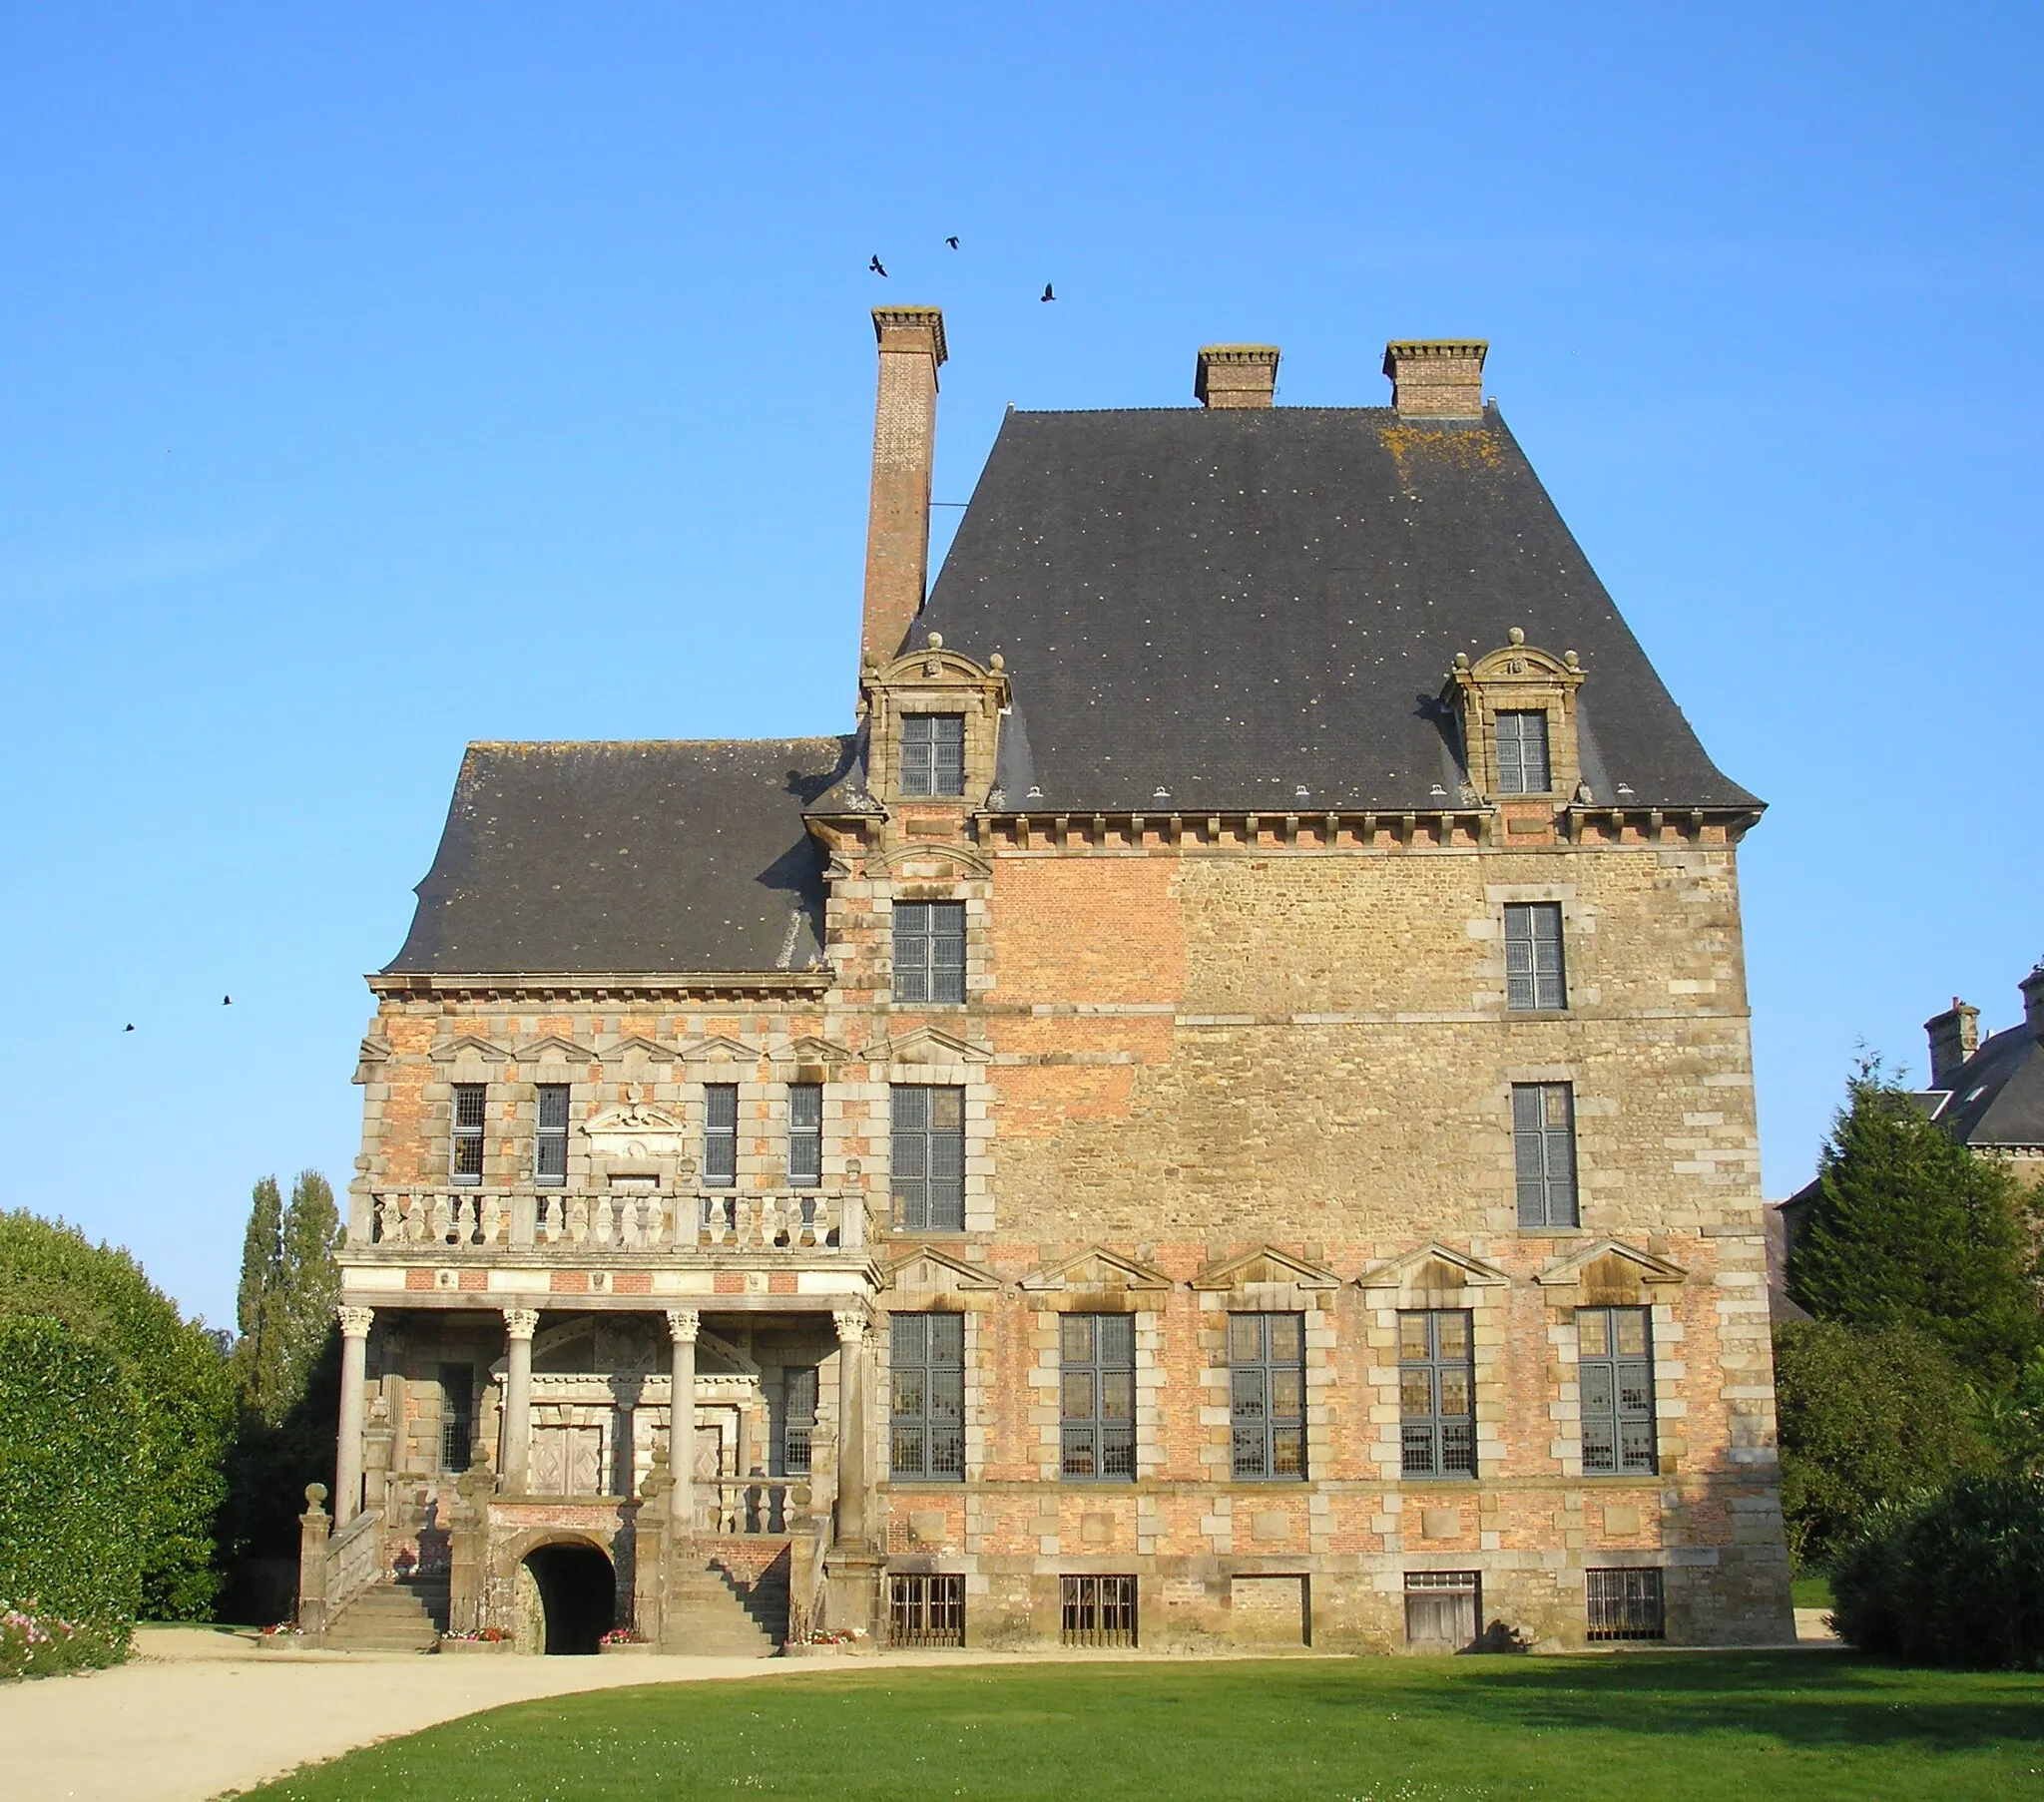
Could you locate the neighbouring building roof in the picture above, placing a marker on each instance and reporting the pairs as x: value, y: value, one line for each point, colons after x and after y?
x: 663, y: 856
x: 1232, y: 606
x: 1997, y: 1096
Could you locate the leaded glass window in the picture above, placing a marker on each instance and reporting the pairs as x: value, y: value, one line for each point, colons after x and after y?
x: 1522, y: 752
x: 929, y: 951
x: 1535, y: 978
x: 926, y: 1409
x: 465, y: 1163
x: 719, y: 1135
x: 1437, y: 1394
x: 928, y: 1174
x: 1544, y: 1154
x: 457, y: 1416
x: 1267, y: 1394
x: 1097, y: 1397
x: 797, y: 1420
x: 550, y: 1135
x: 934, y: 753
x: 805, y: 1135
x: 1615, y: 1366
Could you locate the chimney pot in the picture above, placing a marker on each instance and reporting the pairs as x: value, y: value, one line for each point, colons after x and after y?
x: 1437, y: 378
x: 1954, y: 1036
x: 1236, y: 375
x: 912, y: 348
x: 2033, y: 1002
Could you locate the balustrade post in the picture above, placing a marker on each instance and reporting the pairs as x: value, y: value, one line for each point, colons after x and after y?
x: 519, y: 1326
x: 851, y: 1429
x: 315, y: 1527
x: 347, y: 1459
x: 682, y: 1324
x: 524, y: 1220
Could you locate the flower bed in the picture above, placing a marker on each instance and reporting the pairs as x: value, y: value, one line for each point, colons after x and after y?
x: 479, y: 1640
x: 840, y: 1642
x: 624, y: 1640
x: 37, y: 1644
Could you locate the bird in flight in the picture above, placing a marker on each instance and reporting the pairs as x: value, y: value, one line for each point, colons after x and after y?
x: 877, y: 267
x: 952, y: 241
x: 226, y: 1001
x: 1047, y: 294
x: 129, y: 1027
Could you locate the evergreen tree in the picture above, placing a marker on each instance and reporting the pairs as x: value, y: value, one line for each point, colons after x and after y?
x: 1910, y: 1228
x: 258, y: 1350
x: 308, y: 1286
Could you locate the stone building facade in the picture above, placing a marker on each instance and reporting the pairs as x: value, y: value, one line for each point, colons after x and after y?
x: 1220, y: 1111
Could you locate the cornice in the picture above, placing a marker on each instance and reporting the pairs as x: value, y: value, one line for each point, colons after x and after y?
x: 597, y: 985
x: 1461, y: 829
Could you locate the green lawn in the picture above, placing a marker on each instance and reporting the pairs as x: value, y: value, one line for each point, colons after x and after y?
x: 1632, y: 1729
x: 1812, y: 1591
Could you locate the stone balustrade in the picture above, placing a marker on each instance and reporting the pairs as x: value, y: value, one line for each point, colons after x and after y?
x: 617, y: 1221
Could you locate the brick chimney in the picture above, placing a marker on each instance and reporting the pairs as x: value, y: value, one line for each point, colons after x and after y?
x: 1954, y: 1036
x: 1437, y: 378
x: 904, y: 443
x: 2033, y: 1002
x: 1236, y: 375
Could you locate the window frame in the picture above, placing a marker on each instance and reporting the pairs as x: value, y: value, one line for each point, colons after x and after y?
x: 1448, y: 1434
x: 465, y: 1137
x: 1253, y: 1375
x: 548, y: 1097
x: 917, y: 964
x: 927, y: 755
x: 1103, y: 1437
x: 1560, y: 1208
x: 457, y: 1425
x: 926, y: 1198
x: 804, y: 1135
x: 1545, y: 991
x: 794, y: 1446
x: 913, y: 1349
x: 1606, y: 1371
x: 719, y: 1137
x: 1515, y: 783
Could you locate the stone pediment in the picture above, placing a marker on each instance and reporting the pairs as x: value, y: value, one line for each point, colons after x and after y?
x: 554, y: 1048
x: 928, y: 1044
x: 1432, y: 1267
x: 809, y: 1048
x: 468, y: 1048
x: 1096, y: 1268
x: 717, y: 1047
x: 925, y: 1269
x: 1611, y: 1270
x: 374, y: 1052
x: 635, y: 1133
x: 639, y: 1046
x: 1265, y: 1264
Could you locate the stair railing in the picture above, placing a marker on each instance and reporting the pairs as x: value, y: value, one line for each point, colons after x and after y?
x: 352, y: 1563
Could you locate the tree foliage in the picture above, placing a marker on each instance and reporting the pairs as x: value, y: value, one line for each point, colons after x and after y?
x: 258, y: 1345
x: 311, y: 1279
x: 1910, y: 1229
x: 1866, y: 1418
x: 182, y: 1384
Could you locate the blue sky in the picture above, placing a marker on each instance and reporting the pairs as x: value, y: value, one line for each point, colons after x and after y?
x: 374, y: 380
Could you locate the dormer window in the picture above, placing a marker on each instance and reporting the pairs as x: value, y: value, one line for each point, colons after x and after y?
x: 934, y: 754
x: 1522, y: 752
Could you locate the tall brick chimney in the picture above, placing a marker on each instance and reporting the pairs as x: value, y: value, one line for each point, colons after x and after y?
x: 1437, y: 378
x: 904, y: 444
x: 1236, y: 375
x: 1954, y: 1036
x: 2033, y: 1002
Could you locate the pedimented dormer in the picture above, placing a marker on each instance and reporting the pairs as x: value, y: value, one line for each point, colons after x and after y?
x: 1094, y: 1273
x: 932, y: 719
x: 1517, y: 712
x: 1262, y: 1268
x: 1608, y: 1274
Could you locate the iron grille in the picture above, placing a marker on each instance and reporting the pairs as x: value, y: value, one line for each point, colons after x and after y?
x: 805, y: 1135
x: 1535, y: 976
x: 1097, y: 1611
x: 926, y: 1610
x: 1615, y: 1366
x: 550, y: 1135
x: 457, y: 1416
x: 929, y: 1151
x: 929, y: 951
x: 1267, y: 1394
x: 466, y: 1163
x: 719, y: 1135
x: 1544, y: 1152
x: 1627, y: 1605
x: 1097, y: 1387
x: 934, y: 753
x: 926, y: 1412
x: 1522, y: 752
x: 1437, y: 1394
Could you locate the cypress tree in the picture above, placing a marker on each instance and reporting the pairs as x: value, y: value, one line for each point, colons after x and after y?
x: 1910, y: 1228
x: 258, y: 1350
x: 309, y: 1285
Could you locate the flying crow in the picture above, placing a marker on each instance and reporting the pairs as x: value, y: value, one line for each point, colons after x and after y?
x: 877, y: 266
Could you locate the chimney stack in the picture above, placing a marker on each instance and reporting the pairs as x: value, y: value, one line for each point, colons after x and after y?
x: 911, y: 342
x: 1437, y: 378
x: 2033, y: 1002
x: 1236, y: 375
x: 1954, y: 1036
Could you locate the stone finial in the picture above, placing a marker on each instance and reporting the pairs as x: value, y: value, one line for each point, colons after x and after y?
x: 1517, y: 634
x: 315, y: 1494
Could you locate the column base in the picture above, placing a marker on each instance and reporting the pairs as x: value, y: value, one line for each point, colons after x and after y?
x: 851, y: 1590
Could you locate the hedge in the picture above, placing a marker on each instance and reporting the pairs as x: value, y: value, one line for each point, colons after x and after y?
x: 69, y: 1489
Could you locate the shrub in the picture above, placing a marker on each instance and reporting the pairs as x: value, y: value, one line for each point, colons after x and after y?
x: 1951, y: 1577
x: 69, y: 1489
x: 35, y: 1645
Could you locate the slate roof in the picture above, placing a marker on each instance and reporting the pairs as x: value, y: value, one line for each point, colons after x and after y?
x: 665, y: 856
x: 1233, y: 605
x: 1998, y: 1098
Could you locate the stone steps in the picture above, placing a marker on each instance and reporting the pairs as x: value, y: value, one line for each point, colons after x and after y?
x: 389, y: 1617
x: 730, y: 1607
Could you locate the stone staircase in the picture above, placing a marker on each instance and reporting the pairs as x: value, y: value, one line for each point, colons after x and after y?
x: 735, y: 1605
x: 398, y: 1615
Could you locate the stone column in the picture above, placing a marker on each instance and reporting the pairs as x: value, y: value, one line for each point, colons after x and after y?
x: 347, y: 1460
x: 851, y: 1428
x: 519, y: 1326
x: 682, y: 1324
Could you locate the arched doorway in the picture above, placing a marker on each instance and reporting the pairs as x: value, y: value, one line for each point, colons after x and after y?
x: 577, y: 1593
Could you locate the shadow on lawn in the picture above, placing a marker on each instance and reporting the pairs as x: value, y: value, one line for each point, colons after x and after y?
x: 1814, y: 1700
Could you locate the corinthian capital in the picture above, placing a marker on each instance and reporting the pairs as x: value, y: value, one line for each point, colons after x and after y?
x: 682, y: 1324
x: 521, y: 1323
x: 851, y: 1325
x: 354, y: 1322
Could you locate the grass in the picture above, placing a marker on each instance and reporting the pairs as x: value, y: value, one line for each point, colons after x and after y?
x: 1698, y: 1728
x: 1814, y: 1591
